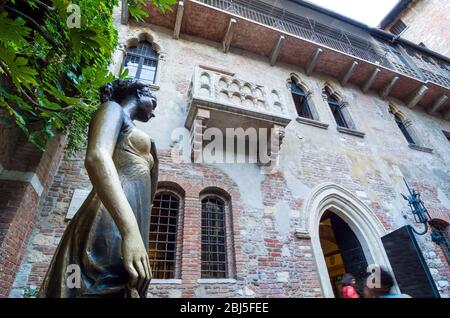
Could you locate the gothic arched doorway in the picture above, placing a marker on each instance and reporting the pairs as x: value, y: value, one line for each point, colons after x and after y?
x: 342, y: 251
x: 364, y: 224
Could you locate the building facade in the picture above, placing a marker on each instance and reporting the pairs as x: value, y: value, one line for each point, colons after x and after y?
x: 340, y: 115
x: 422, y: 22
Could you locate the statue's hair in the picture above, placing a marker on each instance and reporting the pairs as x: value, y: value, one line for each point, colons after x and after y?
x: 119, y: 89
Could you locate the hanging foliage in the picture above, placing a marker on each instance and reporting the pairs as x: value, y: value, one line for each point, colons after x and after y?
x: 53, y: 59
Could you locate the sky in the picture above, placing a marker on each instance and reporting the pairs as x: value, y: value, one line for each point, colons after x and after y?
x: 370, y: 12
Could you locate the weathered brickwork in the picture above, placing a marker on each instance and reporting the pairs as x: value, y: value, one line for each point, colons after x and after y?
x: 20, y: 196
x: 428, y: 21
x: 267, y: 258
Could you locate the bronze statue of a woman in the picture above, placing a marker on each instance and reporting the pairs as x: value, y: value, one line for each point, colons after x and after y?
x: 108, y: 237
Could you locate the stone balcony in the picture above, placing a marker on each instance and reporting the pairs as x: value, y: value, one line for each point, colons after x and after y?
x: 237, y: 103
x: 218, y: 99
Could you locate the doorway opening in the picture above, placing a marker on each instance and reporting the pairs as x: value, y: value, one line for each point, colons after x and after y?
x: 342, y: 251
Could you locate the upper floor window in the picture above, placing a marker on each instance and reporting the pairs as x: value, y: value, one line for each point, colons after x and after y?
x: 301, y: 101
x: 214, y: 247
x: 403, y: 129
x: 398, y: 27
x: 336, y: 109
x: 142, y: 62
x: 162, y: 250
x: 403, y: 124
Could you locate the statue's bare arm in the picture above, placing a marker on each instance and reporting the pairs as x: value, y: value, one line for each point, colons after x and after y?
x: 103, y: 134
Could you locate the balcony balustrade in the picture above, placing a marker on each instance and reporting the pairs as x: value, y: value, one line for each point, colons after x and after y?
x: 220, y: 100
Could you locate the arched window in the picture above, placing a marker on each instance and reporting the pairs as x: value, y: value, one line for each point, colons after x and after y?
x: 336, y: 109
x: 403, y: 129
x: 142, y: 62
x: 214, y: 247
x: 162, y: 250
x: 403, y: 124
x: 301, y: 101
x: 440, y: 233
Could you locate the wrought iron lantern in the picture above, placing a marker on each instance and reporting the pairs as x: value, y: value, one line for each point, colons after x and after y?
x: 418, y: 209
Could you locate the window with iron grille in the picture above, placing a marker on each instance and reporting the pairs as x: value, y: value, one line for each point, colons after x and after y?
x: 301, y: 101
x: 163, y: 233
x: 336, y: 109
x: 142, y: 62
x: 214, y: 251
x: 403, y: 129
x: 398, y: 27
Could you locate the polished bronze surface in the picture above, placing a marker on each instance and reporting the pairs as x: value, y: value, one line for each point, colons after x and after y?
x: 106, y: 242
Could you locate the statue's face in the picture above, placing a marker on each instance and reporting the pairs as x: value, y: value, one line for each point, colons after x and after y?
x: 146, y: 104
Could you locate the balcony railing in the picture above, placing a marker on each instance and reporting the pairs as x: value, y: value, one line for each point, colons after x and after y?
x: 342, y: 41
x: 222, y: 91
x: 303, y: 27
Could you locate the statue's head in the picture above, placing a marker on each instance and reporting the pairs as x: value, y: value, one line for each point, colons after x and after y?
x: 124, y: 90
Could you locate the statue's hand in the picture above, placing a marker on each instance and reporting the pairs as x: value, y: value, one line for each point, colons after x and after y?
x: 136, y: 263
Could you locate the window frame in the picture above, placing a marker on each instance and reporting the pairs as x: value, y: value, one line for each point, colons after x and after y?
x: 297, y: 90
x: 178, y: 231
x: 142, y: 57
x: 338, y: 115
x: 401, y: 125
x: 227, y: 241
x: 398, y: 27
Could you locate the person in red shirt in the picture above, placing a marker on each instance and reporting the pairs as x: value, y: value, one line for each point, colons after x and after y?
x: 349, y: 287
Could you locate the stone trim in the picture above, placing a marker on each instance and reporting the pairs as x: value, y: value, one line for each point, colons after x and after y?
x: 312, y: 122
x: 420, y: 148
x: 23, y: 176
x: 350, y: 132
x: 216, y: 281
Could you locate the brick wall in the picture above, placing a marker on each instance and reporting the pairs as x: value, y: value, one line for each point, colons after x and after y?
x: 428, y: 21
x: 20, y: 196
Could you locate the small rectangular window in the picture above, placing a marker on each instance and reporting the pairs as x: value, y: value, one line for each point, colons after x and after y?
x: 398, y: 27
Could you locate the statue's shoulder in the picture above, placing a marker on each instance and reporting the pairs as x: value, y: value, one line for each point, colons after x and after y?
x: 111, y: 106
x: 109, y: 111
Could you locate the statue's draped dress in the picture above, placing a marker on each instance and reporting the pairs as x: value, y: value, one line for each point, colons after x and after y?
x: 92, y: 241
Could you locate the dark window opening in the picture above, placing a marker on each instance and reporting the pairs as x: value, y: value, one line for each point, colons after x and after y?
x: 142, y: 62
x: 301, y: 101
x: 403, y: 129
x: 214, y: 252
x: 398, y: 27
x: 336, y: 109
x: 163, y: 233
